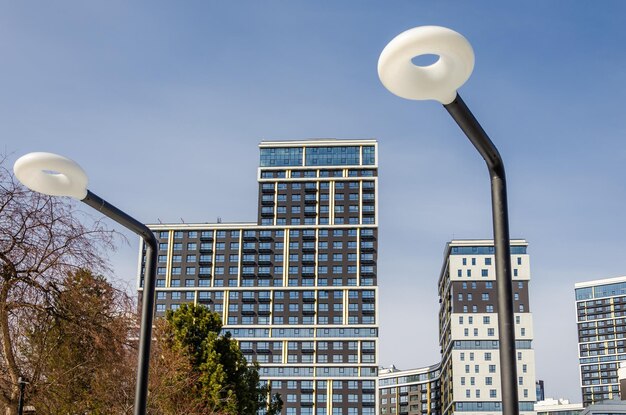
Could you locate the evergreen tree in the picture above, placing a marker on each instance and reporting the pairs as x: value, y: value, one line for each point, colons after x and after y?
x: 219, y: 378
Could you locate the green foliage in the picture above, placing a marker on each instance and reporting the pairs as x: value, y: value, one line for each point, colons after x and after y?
x: 221, y: 377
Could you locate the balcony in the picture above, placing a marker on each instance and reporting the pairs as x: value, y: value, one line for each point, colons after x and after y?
x: 265, y: 235
x: 308, y: 259
x: 262, y: 349
x: 265, y: 247
x: 367, y: 246
x: 248, y: 298
x: 367, y: 271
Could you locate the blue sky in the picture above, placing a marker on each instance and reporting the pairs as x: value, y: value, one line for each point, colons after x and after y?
x: 163, y: 103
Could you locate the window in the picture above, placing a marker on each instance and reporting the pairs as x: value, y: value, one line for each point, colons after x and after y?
x: 484, y: 272
x: 177, y: 258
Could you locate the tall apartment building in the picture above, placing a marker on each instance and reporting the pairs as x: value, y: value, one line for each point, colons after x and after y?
x: 601, y: 322
x: 468, y: 329
x: 297, y: 288
x: 409, y: 392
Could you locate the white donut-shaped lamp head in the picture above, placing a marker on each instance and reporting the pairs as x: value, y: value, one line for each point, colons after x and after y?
x: 438, y: 81
x: 51, y: 174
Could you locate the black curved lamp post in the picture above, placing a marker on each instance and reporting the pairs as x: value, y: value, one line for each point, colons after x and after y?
x: 55, y: 175
x: 440, y: 82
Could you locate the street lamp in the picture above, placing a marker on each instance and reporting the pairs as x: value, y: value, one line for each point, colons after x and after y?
x: 56, y: 175
x: 440, y: 81
x: 20, y: 403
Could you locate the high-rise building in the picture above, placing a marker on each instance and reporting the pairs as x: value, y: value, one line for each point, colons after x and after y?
x: 601, y: 321
x: 409, y: 392
x: 468, y: 328
x: 298, y: 287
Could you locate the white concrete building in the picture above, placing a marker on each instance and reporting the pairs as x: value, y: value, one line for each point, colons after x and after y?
x: 468, y: 331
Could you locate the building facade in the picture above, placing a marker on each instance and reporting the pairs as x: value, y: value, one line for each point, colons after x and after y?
x: 409, y: 392
x: 612, y: 407
x: 468, y: 329
x: 558, y: 407
x: 297, y: 288
x: 601, y: 322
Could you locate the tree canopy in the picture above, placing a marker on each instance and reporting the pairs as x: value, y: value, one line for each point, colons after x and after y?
x: 220, y: 379
x: 43, y: 240
x: 85, y: 348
